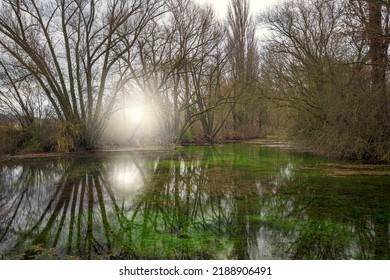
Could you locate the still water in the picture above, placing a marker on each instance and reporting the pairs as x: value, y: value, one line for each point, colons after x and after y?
x: 237, y: 201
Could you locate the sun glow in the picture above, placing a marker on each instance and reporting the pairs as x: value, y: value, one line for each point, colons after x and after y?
x: 128, y: 178
x: 136, y: 122
x: 136, y: 113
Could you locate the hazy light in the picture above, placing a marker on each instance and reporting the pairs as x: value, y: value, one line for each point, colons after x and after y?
x: 127, y: 178
x: 134, y: 111
x: 135, y: 114
x: 135, y: 123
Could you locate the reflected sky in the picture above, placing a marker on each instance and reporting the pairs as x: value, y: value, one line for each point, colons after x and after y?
x: 127, y: 177
x: 226, y: 202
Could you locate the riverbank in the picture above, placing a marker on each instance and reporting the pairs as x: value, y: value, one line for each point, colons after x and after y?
x: 273, y: 141
x: 104, y: 150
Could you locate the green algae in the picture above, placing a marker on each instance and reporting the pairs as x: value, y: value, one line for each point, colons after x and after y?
x: 236, y: 201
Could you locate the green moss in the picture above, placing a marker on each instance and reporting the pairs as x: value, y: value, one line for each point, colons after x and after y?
x: 235, y: 201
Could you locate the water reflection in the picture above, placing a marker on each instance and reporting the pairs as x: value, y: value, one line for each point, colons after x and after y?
x: 127, y: 176
x: 230, y: 202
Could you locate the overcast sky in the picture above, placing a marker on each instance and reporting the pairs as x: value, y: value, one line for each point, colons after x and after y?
x: 256, y: 5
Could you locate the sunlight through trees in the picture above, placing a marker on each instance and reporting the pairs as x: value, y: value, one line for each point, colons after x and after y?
x: 70, y: 71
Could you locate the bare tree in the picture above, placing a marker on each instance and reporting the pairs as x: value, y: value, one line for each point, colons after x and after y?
x: 194, y: 68
x: 205, y: 74
x: 305, y: 43
x: 370, y: 21
x: 73, y: 50
x: 21, y: 97
x: 186, y: 31
x: 316, y: 64
x: 244, y: 59
x: 379, y: 44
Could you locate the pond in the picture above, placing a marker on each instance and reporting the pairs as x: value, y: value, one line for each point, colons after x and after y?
x: 233, y: 201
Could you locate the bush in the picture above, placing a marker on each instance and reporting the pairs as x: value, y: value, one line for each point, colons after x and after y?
x: 49, y: 136
x: 8, y: 138
x: 354, y: 126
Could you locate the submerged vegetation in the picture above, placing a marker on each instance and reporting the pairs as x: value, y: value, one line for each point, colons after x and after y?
x: 74, y: 76
x: 236, y: 201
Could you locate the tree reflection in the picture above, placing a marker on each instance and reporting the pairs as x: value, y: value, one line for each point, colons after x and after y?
x: 209, y: 203
x: 63, y: 211
x: 313, y: 217
x: 193, y: 199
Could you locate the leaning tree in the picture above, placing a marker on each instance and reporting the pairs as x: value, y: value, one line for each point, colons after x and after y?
x: 73, y: 50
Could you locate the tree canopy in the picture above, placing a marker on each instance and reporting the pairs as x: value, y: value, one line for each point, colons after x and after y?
x: 123, y: 72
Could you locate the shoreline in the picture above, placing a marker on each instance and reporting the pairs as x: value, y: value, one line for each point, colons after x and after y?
x: 105, y: 150
x: 109, y: 149
x: 276, y: 142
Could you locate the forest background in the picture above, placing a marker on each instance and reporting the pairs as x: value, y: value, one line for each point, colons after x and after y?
x: 83, y: 74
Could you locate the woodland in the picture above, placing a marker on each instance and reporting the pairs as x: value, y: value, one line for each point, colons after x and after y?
x: 83, y: 74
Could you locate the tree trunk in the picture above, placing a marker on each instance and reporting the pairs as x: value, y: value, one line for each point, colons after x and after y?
x: 378, y: 47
